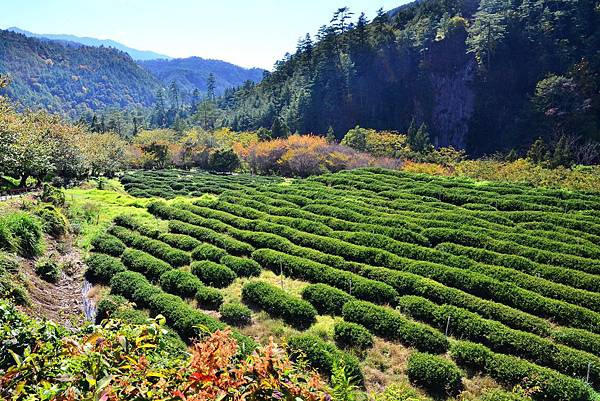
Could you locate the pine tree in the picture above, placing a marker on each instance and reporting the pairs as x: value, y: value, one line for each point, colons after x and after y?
x: 330, y: 135
x: 562, y: 155
x: 538, y: 152
x: 211, y: 86
x: 420, y: 142
x: 279, y: 129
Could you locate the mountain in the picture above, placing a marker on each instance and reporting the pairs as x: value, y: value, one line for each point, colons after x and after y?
x: 192, y: 73
x: 134, y: 53
x: 485, y: 76
x: 71, y: 79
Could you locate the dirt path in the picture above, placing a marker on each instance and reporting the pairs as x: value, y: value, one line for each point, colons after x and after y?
x: 62, y: 302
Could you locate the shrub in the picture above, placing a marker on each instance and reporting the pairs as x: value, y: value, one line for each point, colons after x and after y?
x: 500, y: 395
x: 327, y: 300
x: 577, y: 338
x: 53, y: 195
x: 108, y: 244
x: 27, y: 232
x: 434, y: 373
x: 132, y: 223
x: 235, y: 314
x: 48, y: 269
x: 392, y: 325
x: 101, y: 268
x: 352, y: 335
x: 142, y: 262
x: 8, y: 242
x: 208, y: 252
x: 159, y: 249
x: 278, y: 303
x: 209, y: 297
x: 180, y: 282
x: 322, y: 356
x: 108, y: 305
x: 181, y: 241
x: 243, y: 267
x: 213, y: 274
x: 54, y: 222
x: 511, y: 371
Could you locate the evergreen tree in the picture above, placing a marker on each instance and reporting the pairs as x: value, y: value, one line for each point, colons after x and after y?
x: 211, y: 86
x: 330, y: 135
x: 562, y: 155
x: 420, y: 142
x: 538, y: 152
x: 279, y: 129
x: 195, y: 100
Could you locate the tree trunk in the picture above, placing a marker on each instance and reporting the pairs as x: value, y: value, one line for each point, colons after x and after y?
x: 23, y: 181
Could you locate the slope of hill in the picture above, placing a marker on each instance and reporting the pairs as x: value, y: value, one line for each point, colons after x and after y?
x: 192, y: 72
x: 484, y: 75
x: 70, y: 80
x: 134, y: 53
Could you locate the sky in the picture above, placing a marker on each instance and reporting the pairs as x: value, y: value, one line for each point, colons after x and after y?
x: 250, y: 33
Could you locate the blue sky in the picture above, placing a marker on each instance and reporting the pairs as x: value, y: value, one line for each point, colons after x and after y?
x: 245, y: 32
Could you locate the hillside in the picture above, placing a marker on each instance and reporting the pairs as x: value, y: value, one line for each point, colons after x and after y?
x: 192, y: 72
x: 134, y: 53
x: 68, y: 79
x: 483, y: 75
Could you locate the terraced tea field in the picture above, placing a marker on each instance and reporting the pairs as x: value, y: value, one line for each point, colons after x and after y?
x: 502, y: 279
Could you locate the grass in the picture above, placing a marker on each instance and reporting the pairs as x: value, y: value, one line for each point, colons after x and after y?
x: 93, y: 209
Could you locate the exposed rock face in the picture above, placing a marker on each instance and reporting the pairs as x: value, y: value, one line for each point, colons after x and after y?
x: 450, y: 77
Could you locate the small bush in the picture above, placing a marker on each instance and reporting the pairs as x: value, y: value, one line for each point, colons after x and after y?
x: 279, y: 303
x: 327, y: 300
x: 27, y: 232
x: 48, y: 269
x: 180, y: 241
x: 108, y: 244
x: 434, y: 373
x: 108, y: 306
x: 213, y: 274
x: 101, y: 268
x: 322, y: 356
x: 209, y: 298
x: 180, y: 282
x: 53, y: 195
x: 208, y: 252
x: 243, y: 267
x: 54, y: 222
x: 144, y: 263
x: 352, y: 335
x: 235, y: 314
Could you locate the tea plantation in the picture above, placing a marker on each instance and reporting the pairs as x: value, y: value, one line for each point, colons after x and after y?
x: 495, y: 278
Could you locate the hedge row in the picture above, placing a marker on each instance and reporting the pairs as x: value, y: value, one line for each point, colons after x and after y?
x: 208, y: 252
x: 101, y: 268
x: 473, y: 282
x: 352, y: 335
x: 434, y: 373
x: 223, y: 241
x: 391, y: 325
x: 243, y: 267
x: 142, y: 262
x: 278, y: 303
x: 213, y: 274
x: 407, y: 283
x: 187, y: 285
x: 327, y: 300
x: 323, y: 356
x: 573, y: 278
x: 180, y: 241
x: 577, y: 338
x: 547, y: 383
x: 130, y: 222
x: 108, y: 244
x: 188, y: 322
x: 159, y: 249
x: 470, y: 326
x: 439, y: 235
x: 304, y: 269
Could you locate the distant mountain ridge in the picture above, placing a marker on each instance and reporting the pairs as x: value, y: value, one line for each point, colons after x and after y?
x: 134, y: 53
x: 70, y: 80
x: 192, y: 72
